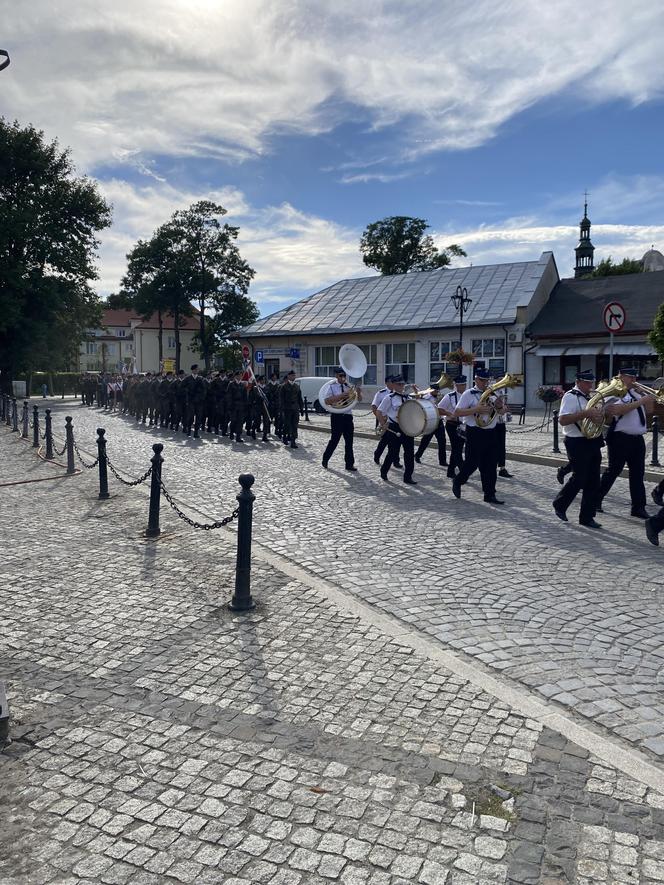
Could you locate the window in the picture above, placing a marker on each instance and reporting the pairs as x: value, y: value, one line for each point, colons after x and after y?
x: 171, y: 342
x: 552, y: 370
x: 326, y: 359
x: 491, y: 353
x: 370, y: 376
x: 109, y: 348
x: 120, y: 333
x: 400, y: 360
x: 91, y: 347
x: 437, y: 363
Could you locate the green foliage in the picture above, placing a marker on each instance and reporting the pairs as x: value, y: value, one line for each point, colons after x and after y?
x: 119, y: 301
x: 230, y: 356
x: 49, y: 220
x: 606, y: 268
x: 656, y: 335
x: 398, y: 244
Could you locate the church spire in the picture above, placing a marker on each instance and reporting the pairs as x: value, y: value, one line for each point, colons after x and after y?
x: 585, y: 251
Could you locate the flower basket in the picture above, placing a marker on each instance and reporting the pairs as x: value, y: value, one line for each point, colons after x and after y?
x: 460, y: 357
x: 549, y: 394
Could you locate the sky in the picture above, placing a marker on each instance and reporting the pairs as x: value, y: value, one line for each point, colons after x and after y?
x: 309, y: 120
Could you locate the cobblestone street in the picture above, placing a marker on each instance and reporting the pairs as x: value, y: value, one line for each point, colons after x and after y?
x: 350, y: 728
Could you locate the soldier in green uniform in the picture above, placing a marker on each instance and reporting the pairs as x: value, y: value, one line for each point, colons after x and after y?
x: 292, y: 405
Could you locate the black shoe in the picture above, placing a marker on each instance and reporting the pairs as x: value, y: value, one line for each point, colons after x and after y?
x: 239, y: 439
x: 456, y: 487
x: 197, y: 436
x: 418, y: 459
x: 398, y: 465
x: 376, y: 459
x: 253, y: 434
x: 410, y: 482
x: 265, y: 439
x: 493, y: 500
x: 591, y: 524
x: 324, y: 463
x: 651, y: 534
x: 657, y: 496
x: 503, y: 472
x: 352, y: 468
x: 442, y: 463
x: 641, y: 513
x: 560, y: 513
x: 560, y: 475
x: 383, y: 476
x: 450, y: 474
x: 294, y: 446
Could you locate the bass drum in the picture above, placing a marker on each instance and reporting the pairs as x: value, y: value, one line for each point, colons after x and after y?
x: 418, y: 417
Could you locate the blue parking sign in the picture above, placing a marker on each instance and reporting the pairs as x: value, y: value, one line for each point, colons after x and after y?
x: 258, y: 356
x: 294, y: 353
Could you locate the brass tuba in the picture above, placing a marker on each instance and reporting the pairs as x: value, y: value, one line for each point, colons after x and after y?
x: 592, y: 429
x: 445, y: 381
x: 506, y: 381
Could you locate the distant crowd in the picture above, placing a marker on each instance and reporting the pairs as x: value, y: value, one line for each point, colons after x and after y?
x: 222, y: 403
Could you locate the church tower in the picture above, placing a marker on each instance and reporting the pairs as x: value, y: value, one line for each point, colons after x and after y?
x: 585, y: 250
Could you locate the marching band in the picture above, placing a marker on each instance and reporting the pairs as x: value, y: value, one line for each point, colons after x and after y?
x: 471, y: 419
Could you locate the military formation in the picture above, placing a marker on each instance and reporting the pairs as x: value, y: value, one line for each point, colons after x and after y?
x: 223, y: 403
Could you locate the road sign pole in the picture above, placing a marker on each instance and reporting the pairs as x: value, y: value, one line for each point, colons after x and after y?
x: 610, y: 356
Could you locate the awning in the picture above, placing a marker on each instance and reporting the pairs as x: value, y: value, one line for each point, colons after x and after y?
x: 584, y: 350
x: 549, y: 350
x: 632, y: 350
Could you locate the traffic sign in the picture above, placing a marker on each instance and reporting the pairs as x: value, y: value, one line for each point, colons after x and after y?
x: 258, y: 356
x: 294, y: 353
x: 245, y: 351
x: 614, y: 316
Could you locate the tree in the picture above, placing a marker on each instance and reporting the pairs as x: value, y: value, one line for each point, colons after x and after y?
x: 49, y: 220
x: 398, y: 244
x: 119, y: 301
x: 606, y: 268
x: 216, y: 275
x: 656, y: 335
x: 157, y: 281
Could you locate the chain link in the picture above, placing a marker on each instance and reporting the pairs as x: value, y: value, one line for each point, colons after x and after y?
x: 87, y: 466
x: 55, y: 451
x: 125, y: 482
x: 206, y: 526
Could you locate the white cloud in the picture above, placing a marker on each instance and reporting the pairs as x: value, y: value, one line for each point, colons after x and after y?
x: 292, y: 252
x: 204, y: 78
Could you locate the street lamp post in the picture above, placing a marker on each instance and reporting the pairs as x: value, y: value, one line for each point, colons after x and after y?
x: 460, y: 300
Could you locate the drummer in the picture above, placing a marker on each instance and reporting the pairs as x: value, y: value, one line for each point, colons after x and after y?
x: 439, y: 432
x: 387, y: 415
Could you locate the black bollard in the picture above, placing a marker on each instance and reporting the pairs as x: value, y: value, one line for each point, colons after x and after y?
x: 69, y: 435
x: 25, y: 420
x: 49, y: 436
x: 8, y: 411
x: 556, y: 447
x: 14, y: 416
x: 153, y: 529
x: 306, y: 409
x: 654, y: 461
x: 103, y: 472
x: 242, y: 600
x: 3, y: 403
x: 35, y: 427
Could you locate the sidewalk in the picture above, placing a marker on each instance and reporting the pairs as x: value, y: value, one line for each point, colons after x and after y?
x: 158, y: 737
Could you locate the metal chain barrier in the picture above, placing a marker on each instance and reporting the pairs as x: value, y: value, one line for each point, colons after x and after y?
x: 55, y: 451
x: 125, y: 482
x: 206, y: 526
x: 80, y: 458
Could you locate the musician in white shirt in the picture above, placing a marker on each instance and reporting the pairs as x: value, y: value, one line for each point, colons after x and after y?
x: 341, y: 423
x: 377, y: 400
x: 625, y: 442
x: 439, y: 432
x: 481, y: 442
x: 447, y: 407
x: 388, y: 416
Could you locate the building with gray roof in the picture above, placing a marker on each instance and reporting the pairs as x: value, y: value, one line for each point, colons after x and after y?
x: 408, y: 322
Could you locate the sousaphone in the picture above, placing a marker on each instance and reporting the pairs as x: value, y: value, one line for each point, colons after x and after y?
x: 354, y: 364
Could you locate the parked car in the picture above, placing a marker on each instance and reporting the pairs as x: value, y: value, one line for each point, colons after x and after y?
x: 310, y: 387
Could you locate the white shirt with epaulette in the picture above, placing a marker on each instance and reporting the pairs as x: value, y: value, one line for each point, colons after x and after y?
x: 391, y: 404
x: 631, y: 422
x: 469, y: 399
x: 573, y: 401
x: 379, y: 396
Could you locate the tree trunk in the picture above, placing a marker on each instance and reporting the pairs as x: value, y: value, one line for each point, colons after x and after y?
x: 161, y: 339
x: 176, y: 323
x: 202, y: 334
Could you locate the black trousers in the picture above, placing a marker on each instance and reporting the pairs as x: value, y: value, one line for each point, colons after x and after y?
x: 341, y: 425
x: 439, y: 433
x: 658, y: 520
x: 585, y: 456
x: 238, y: 418
x: 291, y: 419
x: 501, y: 441
x: 396, y: 440
x: 482, y: 455
x: 456, y: 447
x: 626, y: 448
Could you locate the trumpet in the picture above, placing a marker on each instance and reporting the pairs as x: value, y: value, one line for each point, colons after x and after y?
x: 444, y: 381
x: 657, y: 392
